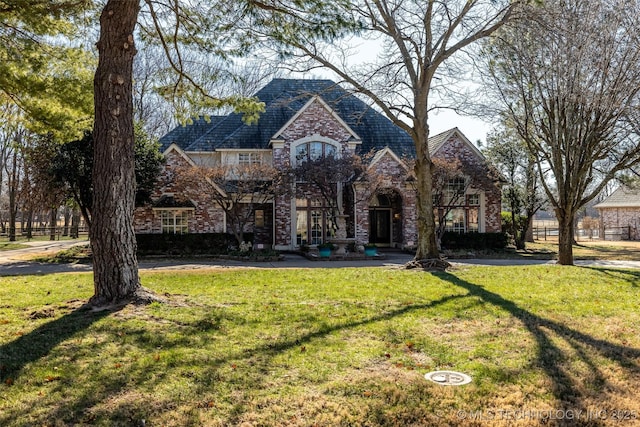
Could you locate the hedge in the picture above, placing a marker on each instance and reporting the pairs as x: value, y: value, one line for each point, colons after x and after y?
x: 476, y: 241
x: 187, y: 244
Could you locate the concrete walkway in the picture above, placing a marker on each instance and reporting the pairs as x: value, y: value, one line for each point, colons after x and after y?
x: 16, y: 262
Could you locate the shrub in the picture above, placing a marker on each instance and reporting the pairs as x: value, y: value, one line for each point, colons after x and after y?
x: 186, y: 244
x: 476, y: 241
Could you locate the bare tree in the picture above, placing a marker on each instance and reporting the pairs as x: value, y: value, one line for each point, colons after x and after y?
x: 569, y: 81
x: 238, y: 189
x: 419, y: 41
x: 522, y: 192
x: 450, y: 185
x: 326, y: 178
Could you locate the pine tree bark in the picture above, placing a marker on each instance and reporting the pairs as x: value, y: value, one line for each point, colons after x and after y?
x: 113, y: 243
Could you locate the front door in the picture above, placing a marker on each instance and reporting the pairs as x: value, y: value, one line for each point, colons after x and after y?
x: 380, y: 226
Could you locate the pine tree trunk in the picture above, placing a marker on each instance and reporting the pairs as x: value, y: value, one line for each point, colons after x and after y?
x: 13, y: 194
x: 113, y: 243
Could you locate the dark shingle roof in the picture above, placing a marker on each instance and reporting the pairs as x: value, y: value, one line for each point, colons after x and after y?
x: 183, y: 135
x: 283, y: 98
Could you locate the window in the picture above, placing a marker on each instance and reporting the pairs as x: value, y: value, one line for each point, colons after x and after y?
x: 454, y: 193
x: 314, y: 150
x: 460, y: 213
x: 314, y: 223
x: 175, y: 221
x: 456, y: 220
x: 259, y: 218
x: 248, y: 159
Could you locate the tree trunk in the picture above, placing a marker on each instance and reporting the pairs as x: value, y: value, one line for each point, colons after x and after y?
x: 13, y: 194
x: 67, y: 217
x: 113, y: 242
x: 565, y: 239
x: 30, y: 224
x: 427, y: 246
x: 54, y: 224
x: 529, y: 234
x: 75, y: 224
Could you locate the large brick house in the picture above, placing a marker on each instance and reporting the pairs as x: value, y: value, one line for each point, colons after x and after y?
x: 316, y: 116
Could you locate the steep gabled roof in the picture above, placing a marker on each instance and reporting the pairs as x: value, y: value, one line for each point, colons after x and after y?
x: 283, y: 98
x: 622, y: 197
x: 436, y: 141
x: 184, y: 135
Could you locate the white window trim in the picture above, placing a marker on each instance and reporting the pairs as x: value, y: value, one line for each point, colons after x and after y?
x: 313, y: 138
x: 176, y: 211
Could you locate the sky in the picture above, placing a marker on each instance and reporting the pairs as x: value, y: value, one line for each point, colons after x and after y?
x: 474, y: 129
x: 366, y: 51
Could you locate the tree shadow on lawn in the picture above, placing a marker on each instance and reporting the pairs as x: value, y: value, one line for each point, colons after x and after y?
x: 247, y: 368
x: 116, y: 386
x: 550, y: 357
x: 631, y: 276
x: 35, y: 345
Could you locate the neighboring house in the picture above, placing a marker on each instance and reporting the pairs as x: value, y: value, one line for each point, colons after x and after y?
x: 620, y: 214
x: 303, y: 117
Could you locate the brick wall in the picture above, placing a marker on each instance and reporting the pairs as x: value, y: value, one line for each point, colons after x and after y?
x: 206, y: 217
x: 481, y: 179
x: 613, y: 219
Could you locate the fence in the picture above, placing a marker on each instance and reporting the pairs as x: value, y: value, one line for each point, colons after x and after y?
x: 39, y: 232
x: 582, y: 234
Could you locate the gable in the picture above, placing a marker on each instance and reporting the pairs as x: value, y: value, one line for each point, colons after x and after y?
x: 453, y: 143
x: 317, y: 118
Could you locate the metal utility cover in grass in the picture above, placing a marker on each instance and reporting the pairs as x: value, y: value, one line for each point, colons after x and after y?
x: 448, y: 378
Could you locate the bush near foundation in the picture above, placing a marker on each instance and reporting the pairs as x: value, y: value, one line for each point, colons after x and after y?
x: 476, y: 241
x: 187, y: 244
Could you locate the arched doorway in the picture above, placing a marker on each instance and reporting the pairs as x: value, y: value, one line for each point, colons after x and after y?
x: 385, y: 219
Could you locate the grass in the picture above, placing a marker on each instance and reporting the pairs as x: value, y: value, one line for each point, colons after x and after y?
x: 584, y: 250
x: 325, y: 347
x: 592, y: 250
x: 9, y: 246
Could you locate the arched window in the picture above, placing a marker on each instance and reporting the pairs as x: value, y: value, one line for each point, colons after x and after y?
x: 314, y: 150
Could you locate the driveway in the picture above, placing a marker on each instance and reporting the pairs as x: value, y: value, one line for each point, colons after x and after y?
x: 17, y: 262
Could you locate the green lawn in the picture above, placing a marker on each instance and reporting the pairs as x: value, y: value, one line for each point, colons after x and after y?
x: 326, y: 347
x: 9, y: 246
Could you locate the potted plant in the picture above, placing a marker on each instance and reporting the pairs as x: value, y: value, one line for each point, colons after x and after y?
x: 370, y: 249
x: 324, y: 249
